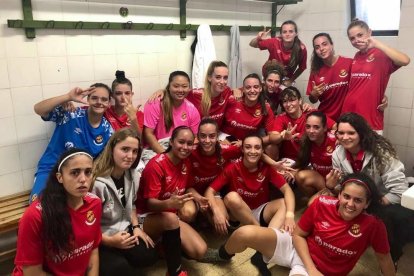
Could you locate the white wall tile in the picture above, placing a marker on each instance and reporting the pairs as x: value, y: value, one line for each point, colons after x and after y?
x: 402, y: 97
x: 398, y: 135
x: 104, y: 66
x: 167, y: 63
x: 53, y: 90
x: 31, y: 152
x: 23, y: 72
x: 8, y: 137
x: 53, y: 70
x: 78, y: 45
x: 28, y: 177
x: 9, y: 160
x: 6, y: 109
x: 401, y: 152
x: 11, y: 184
x: 4, y: 76
x: 76, y: 11
x: 51, y: 43
x: 103, y: 44
x: 411, y: 139
x: 129, y: 44
x: 148, y: 65
x: 149, y: 85
x: 30, y: 128
x: 24, y: 99
x: 20, y: 46
x: 399, y: 116
x: 409, y: 162
x: 80, y: 68
x: 2, y: 47
x: 403, y: 78
x: 128, y: 63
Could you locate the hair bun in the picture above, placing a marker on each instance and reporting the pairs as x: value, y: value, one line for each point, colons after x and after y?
x: 120, y: 75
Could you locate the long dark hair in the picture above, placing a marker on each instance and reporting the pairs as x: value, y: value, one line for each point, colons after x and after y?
x: 290, y: 92
x: 57, y: 232
x: 304, y: 154
x: 317, y: 62
x: 120, y: 79
x: 175, y: 133
x: 370, y: 141
x: 296, y: 55
x: 272, y: 67
x: 167, y: 102
x: 261, y: 99
x: 371, y: 191
x: 210, y: 121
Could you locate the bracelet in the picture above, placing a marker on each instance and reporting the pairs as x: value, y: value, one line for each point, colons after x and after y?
x: 135, y: 226
x: 290, y: 214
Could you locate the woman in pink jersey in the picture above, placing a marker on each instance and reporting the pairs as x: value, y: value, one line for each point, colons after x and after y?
x: 59, y: 233
x: 287, y: 49
x: 330, y: 236
x: 123, y: 113
x: 315, y: 156
x: 161, y: 195
x: 371, y: 70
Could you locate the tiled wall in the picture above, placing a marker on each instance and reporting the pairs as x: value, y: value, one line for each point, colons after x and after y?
x: 57, y: 60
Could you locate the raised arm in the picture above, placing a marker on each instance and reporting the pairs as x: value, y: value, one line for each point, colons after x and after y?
x: 397, y: 57
x: 260, y: 36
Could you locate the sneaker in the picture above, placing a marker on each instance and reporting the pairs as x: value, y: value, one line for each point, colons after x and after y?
x: 213, y: 256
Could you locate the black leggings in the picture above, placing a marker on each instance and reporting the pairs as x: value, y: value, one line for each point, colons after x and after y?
x: 114, y: 261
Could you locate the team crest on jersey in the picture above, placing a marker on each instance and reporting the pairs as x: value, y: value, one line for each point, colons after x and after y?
x: 257, y: 113
x: 260, y: 177
x: 370, y: 58
x: 355, y: 231
x: 237, y: 110
x: 322, y: 79
x: 90, y: 218
x: 329, y: 149
x: 69, y: 145
x: 221, y: 101
x: 183, y: 116
x: 343, y: 73
x: 98, y: 140
x: 184, y: 169
x: 196, y: 164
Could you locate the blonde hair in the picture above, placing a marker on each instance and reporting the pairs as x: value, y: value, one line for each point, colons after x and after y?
x: 104, y: 164
x: 206, y: 98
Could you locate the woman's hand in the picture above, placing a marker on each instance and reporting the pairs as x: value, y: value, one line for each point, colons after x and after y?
x: 139, y: 233
x: 287, y: 134
x: 159, y: 94
x: 289, y: 225
x: 263, y: 34
x: 202, y: 202
x: 332, y: 179
x: 317, y: 90
x: 123, y: 240
x: 220, y: 223
x: 177, y: 201
x: 77, y: 94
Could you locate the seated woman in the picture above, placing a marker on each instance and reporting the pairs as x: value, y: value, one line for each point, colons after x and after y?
x: 162, y: 194
x: 125, y: 247
x: 59, y: 233
x: 248, y: 200
x: 290, y: 125
x: 250, y: 114
x: 162, y: 116
x: 273, y: 74
x: 361, y: 149
x: 330, y: 236
x: 84, y: 128
x: 123, y: 113
x: 315, y: 156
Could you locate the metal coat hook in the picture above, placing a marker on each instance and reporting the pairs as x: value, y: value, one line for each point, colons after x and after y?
x: 249, y: 27
x: 220, y: 28
x: 128, y: 25
x: 170, y: 26
x: 188, y: 27
x: 50, y: 24
x: 79, y: 25
x: 150, y: 26
x: 105, y: 25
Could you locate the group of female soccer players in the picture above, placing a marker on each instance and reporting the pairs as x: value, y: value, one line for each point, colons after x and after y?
x: 209, y: 155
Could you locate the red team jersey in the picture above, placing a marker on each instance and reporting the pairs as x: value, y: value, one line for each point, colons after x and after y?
x: 336, y: 79
x: 335, y: 245
x: 370, y: 74
x: 218, y: 104
x: 253, y: 187
x: 242, y: 120
x: 160, y: 179
x: 118, y: 122
x: 206, y: 168
x: 277, y: 51
x: 86, y: 225
x: 290, y: 149
x: 321, y: 156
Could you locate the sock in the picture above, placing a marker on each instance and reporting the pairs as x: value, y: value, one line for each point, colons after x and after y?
x: 223, y: 253
x: 171, y: 242
x: 263, y: 223
x: 257, y: 261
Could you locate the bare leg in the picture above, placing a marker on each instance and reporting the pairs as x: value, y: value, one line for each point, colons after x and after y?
x: 274, y: 213
x: 155, y: 224
x: 192, y: 243
x: 188, y: 212
x: 238, y: 209
x: 310, y: 181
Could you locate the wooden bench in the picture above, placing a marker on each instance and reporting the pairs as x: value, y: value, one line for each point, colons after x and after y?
x: 11, y: 210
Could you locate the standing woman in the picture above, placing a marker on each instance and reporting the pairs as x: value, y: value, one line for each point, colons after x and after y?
x: 125, y: 247
x: 287, y: 49
x: 162, y: 116
x: 123, y: 113
x: 162, y: 194
x: 315, y: 156
x: 371, y: 70
x: 59, y: 234
x: 361, y: 149
x: 328, y: 81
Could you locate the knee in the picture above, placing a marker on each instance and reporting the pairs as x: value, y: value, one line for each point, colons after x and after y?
x: 245, y: 233
x: 188, y: 213
x: 200, y: 251
x: 300, y: 177
x: 233, y: 201
x: 169, y: 221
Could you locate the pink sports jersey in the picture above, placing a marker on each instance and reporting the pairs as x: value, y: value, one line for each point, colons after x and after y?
x: 184, y: 115
x: 321, y: 156
x: 277, y: 51
x: 253, y: 187
x: 160, y: 179
x: 335, y: 245
x: 370, y: 74
x: 206, y: 168
x: 86, y: 225
x: 241, y: 120
x: 336, y: 79
x: 218, y: 104
x: 118, y: 122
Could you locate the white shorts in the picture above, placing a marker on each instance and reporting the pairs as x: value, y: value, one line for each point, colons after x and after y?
x: 256, y: 212
x: 286, y: 255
